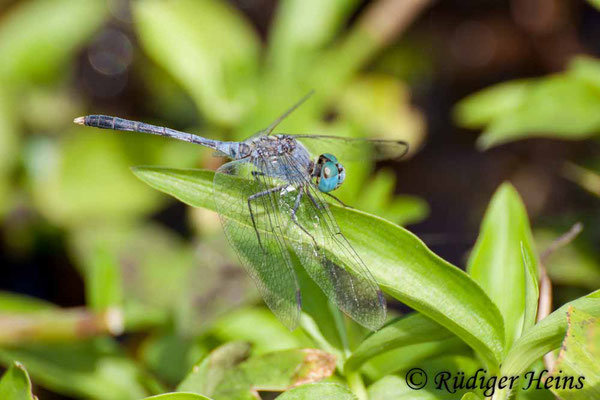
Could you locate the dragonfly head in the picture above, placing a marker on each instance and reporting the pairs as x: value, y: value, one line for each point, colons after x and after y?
x: 329, y: 172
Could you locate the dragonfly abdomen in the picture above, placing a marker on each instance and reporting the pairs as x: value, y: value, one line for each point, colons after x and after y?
x: 121, y: 124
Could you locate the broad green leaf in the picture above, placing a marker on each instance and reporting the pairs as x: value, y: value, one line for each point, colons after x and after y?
x: 470, y: 396
x: 301, y: 28
x: 406, y: 331
x: 208, y: 47
x: 17, y: 303
x: 595, y: 3
x: 393, y: 387
x: 585, y: 68
x: 404, y: 267
x: 405, y: 357
x: 15, y: 384
x: 321, y: 390
x: 532, y: 293
x: 579, y: 357
x: 535, y: 108
x: 428, y: 380
x: 47, y: 31
x: 276, y: 372
x: 487, y: 105
x: 321, y: 320
x: 546, y: 335
x: 91, y: 369
x: 496, y: 262
x: 177, y: 396
x: 208, y: 373
x: 267, y: 333
x: 525, y: 391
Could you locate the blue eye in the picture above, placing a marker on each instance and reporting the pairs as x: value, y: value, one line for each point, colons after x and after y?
x: 332, y: 176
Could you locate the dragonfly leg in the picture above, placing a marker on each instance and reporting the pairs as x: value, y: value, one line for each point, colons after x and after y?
x: 255, y: 197
x: 338, y: 200
x: 295, y: 218
x: 312, y: 199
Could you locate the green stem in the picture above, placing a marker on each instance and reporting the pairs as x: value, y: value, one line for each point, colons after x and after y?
x: 59, y: 325
x: 357, y: 385
x: 501, y: 394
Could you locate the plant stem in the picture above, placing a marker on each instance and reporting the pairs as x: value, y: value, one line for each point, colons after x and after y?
x: 357, y: 385
x: 59, y: 325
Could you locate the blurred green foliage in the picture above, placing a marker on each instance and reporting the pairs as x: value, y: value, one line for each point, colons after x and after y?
x: 562, y: 106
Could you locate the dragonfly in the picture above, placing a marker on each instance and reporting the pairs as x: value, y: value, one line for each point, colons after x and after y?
x: 272, y: 200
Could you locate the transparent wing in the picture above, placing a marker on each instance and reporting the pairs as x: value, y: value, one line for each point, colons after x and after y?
x: 327, y: 255
x: 354, y: 149
x: 258, y: 238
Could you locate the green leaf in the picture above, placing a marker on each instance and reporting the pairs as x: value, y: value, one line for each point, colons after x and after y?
x: 487, y: 105
x: 535, y: 108
x: 17, y: 303
x: 496, y: 262
x: 470, y: 396
x: 177, y: 396
x: 103, y: 281
x: 15, y: 384
x: 91, y: 369
x: 380, y: 105
x: 400, y: 262
x: 208, y: 47
x: 96, y: 160
x: 405, y: 357
x: 322, y: 390
x: 532, y: 293
x: 579, y: 357
x: 276, y: 372
x: 120, y: 262
x: 9, y: 146
x: 321, y: 320
x: 47, y: 31
x: 546, y: 335
x: 208, y: 373
x: 267, y: 333
x: 595, y: 3
x: 406, y: 331
x: 301, y: 28
x: 585, y: 177
x: 394, y: 387
x: 585, y: 68
x: 169, y: 356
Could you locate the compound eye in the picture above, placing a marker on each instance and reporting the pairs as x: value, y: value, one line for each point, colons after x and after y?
x: 329, y: 177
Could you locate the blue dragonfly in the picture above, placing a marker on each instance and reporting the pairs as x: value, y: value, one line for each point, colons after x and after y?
x: 271, y: 199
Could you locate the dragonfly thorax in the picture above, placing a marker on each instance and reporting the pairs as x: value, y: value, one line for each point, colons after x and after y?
x: 274, y: 146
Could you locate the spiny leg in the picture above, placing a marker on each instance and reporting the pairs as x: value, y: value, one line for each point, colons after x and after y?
x: 254, y: 197
x: 295, y: 218
x: 312, y: 199
x: 338, y: 200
